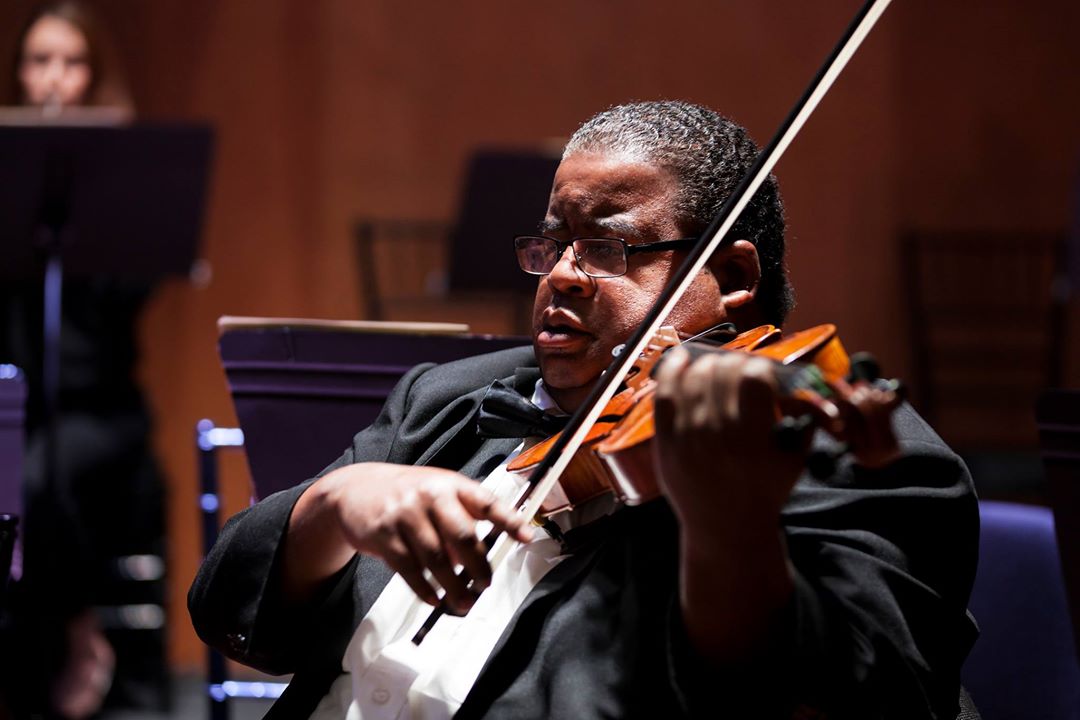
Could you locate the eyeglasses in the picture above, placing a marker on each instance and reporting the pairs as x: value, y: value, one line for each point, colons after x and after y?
x: 596, y: 257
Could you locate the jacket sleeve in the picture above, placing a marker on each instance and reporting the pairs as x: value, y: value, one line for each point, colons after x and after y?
x: 234, y: 602
x: 877, y: 627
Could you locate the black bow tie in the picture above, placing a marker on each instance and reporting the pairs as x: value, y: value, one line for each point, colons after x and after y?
x: 505, y: 413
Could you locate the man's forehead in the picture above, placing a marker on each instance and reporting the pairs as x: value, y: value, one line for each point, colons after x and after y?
x: 608, y: 191
x: 612, y: 172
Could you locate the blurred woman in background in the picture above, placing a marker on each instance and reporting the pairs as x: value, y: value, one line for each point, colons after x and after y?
x: 62, y: 59
x: 97, y: 525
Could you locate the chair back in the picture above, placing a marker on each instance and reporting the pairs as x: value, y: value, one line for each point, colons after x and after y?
x: 1024, y: 664
x: 987, y: 314
x: 465, y: 266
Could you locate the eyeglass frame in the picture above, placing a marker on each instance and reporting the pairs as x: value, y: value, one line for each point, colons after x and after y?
x: 628, y: 250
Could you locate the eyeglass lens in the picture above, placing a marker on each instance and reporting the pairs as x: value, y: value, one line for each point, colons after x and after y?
x: 598, y: 257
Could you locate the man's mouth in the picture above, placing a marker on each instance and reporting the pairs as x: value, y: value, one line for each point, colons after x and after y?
x: 560, y: 330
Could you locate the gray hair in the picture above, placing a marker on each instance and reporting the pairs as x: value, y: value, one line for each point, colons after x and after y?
x: 709, y: 155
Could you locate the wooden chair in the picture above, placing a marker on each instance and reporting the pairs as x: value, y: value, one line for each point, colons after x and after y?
x: 987, y: 331
x: 465, y: 268
x: 987, y: 313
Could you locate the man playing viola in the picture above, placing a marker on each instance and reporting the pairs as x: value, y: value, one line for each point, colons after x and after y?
x: 749, y: 590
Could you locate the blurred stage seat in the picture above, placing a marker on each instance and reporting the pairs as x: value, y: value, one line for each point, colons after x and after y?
x: 463, y: 270
x: 1024, y: 664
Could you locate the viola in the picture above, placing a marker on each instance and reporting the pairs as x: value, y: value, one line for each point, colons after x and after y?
x: 616, y: 456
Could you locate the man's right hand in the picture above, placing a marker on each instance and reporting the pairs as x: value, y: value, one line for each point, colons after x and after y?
x: 413, y: 518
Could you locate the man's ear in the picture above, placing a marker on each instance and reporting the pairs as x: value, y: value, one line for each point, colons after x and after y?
x: 738, y: 270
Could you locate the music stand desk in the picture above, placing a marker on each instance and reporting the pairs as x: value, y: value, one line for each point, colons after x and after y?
x: 303, y: 388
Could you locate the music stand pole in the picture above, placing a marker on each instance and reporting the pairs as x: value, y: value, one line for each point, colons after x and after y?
x: 50, y: 232
x: 123, y: 202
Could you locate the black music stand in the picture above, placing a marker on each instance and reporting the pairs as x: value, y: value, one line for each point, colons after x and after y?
x: 303, y: 388
x: 118, y: 201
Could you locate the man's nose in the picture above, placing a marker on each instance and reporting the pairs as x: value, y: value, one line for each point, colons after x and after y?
x: 566, y: 277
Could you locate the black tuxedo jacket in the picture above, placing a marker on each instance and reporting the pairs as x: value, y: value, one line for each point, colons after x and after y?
x: 884, y: 562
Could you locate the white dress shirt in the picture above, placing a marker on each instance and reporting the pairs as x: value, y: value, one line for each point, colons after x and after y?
x: 387, y: 677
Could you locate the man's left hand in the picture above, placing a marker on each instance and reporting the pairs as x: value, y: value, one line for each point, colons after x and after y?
x: 717, y: 456
x: 720, y: 468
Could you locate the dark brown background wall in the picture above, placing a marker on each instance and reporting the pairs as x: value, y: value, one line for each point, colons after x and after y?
x: 954, y: 115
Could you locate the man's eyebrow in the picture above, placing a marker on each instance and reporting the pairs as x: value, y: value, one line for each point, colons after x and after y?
x: 609, y: 226
x: 616, y: 226
x: 550, y: 225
